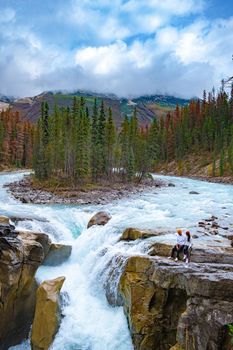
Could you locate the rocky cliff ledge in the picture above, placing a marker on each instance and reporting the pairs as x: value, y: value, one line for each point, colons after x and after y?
x: 174, y: 306
x: 21, y: 253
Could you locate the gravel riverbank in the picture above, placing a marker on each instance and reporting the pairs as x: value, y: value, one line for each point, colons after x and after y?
x: 27, y: 193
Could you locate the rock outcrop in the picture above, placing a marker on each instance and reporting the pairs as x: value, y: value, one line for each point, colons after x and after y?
x: 131, y: 234
x: 168, y: 303
x: 57, y: 254
x: 219, y: 255
x: 5, y: 227
x: 175, y: 306
x: 101, y: 218
x: 21, y: 253
x: 46, y: 320
x: 4, y: 220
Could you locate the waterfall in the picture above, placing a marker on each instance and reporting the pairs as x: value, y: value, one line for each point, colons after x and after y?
x: 89, y: 322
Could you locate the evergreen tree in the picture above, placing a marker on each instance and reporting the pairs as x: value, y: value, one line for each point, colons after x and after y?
x: 110, y: 142
x: 101, y: 143
x: 94, y: 143
x: 222, y: 163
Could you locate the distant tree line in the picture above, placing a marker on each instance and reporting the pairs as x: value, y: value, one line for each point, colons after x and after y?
x: 16, y: 141
x: 204, y: 127
x: 82, y: 145
x: 85, y: 146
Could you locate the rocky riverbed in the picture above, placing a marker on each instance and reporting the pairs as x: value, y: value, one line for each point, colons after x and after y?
x: 27, y: 193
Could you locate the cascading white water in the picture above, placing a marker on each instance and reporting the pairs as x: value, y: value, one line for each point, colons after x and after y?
x: 89, y: 323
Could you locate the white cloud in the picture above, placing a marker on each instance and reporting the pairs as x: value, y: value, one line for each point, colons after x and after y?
x: 127, y: 48
x: 170, y: 7
x: 209, y: 43
x: 185, y: 60
x: 118, y: 20
x: 113, y: 58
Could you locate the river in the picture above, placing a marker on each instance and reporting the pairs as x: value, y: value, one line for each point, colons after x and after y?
x: 89, y: 322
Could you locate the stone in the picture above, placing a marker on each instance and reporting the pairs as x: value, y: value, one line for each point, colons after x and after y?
x: 4, y: 220
x: 24, y: 200
x: 201, y: 224
x: 21, y: 218
x: 131, y: 234
x: 168, y: 304
x: 230, y: 237
x: 210, y: 319
x: 6, y: 228
x: 57, y: 254
x: 101, y: 218
x: 208, y: 254
x: 19, y: 260
x: 212, y: 218
x: 172, y: 305
x: 176, y: 347
x: 46, y: 321
x: 42, y: 238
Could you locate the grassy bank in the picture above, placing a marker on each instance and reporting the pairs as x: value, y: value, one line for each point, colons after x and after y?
x: 196, y: 166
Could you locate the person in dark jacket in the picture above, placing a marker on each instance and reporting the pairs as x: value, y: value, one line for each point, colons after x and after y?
x: 188, y: 247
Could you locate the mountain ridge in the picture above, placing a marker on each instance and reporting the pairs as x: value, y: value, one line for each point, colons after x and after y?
x: 148, y: 106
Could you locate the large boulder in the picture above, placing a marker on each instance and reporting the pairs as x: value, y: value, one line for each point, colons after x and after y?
x: 131, y: 234
x: 19, y: 259
x: 58, y: 254
x: 101, y: 218
x: 47, y: 318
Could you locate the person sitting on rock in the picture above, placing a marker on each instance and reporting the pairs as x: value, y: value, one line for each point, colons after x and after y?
x: 187, y: 247
x: 179, y: 247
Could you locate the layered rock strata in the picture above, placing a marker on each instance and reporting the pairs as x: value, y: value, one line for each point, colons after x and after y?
x: 168, y: 303
x: 21, y: 253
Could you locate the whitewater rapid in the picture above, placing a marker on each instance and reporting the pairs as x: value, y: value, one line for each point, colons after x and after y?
x: 89, y: 323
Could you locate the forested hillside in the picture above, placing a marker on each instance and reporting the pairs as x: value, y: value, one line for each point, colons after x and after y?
x: 199, y: 134
x: 16, y: 139
x: 86, y: 146
x: 84, y: 143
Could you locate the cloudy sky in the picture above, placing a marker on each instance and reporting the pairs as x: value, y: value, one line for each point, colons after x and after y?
x: 128, y: 47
